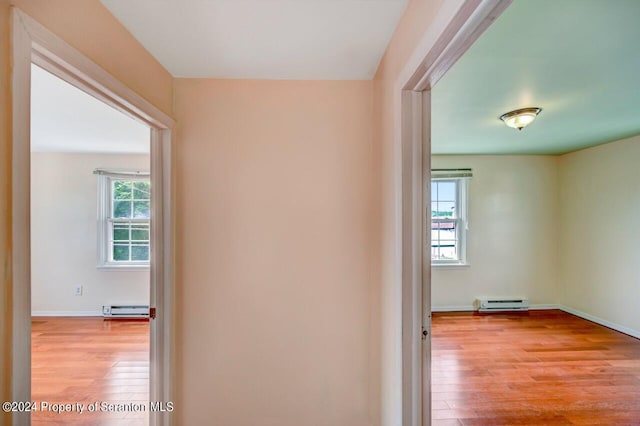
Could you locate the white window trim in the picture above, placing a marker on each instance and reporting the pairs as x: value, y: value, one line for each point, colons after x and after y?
x: 105, y: 177
x: 462, y: 209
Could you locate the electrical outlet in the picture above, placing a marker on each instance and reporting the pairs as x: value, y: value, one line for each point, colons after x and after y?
x: 78, y: 290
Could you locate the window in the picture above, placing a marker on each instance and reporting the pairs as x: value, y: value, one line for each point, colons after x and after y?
x: 124, y: 210
x: 449, y: 217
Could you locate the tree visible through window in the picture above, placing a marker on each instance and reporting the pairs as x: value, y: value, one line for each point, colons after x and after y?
x: 131, y: 210
x: 124, y: 209
x: 448, y: 219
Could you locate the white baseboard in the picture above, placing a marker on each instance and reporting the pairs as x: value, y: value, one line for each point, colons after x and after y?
x: 544, y: 306
x: 592, y: 318
x: 462, y: 308
x: 66, y: 313
x: 597, y: 320
x: 468, y: 308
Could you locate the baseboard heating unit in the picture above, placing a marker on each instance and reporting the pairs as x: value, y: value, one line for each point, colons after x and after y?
x: 502, y: 304
x: 125, y: 311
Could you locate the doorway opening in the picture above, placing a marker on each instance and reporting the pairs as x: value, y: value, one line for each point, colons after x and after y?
x: 90, y: 245
x: 549, y: 213
x: 455, y: 29
x: 34, y: 44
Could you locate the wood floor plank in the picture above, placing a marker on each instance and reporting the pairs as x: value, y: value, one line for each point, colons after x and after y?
x: 532, y: 368
x: 87, y: 360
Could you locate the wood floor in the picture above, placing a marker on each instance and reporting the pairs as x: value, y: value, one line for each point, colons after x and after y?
x: 536, y: 368
x: 84, y: 360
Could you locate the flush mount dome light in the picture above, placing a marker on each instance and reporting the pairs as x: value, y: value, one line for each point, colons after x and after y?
x: 520, y: 118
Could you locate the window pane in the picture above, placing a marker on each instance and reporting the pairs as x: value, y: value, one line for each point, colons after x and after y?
x: 448, y: 250
x: 120, y: 233
x: 120, y: 253
x: 122, y: 209
x: 447, y: 230
x: 121, y: 190
x: 446, y: 191
x: 444, y: 209
x: 434, y: 209
x: 139, y: 234
x: 141, y: 190
x: 140, y: 253
x: 434, y: 191
x: 141, y: 209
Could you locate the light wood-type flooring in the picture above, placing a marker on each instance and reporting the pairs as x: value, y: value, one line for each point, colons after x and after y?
x: 535, y: 368
x: 84, y: 360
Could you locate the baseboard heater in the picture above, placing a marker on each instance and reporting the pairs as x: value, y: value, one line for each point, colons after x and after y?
x: 502, y: 304
x: 125, y: 311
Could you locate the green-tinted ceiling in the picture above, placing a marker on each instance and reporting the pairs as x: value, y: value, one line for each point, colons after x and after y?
x: 578, y: 60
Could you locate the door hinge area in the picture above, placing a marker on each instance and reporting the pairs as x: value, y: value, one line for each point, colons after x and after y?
x: 152, y: 313
x: 425, y: 333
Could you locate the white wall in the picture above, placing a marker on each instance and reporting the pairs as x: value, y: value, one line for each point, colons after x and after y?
x: 512, y: 241
x: 64, y: 236
x: 560, y: 230
x: 600, y: 238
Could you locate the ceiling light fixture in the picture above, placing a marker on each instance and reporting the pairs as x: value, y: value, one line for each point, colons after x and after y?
x: 520, y: 118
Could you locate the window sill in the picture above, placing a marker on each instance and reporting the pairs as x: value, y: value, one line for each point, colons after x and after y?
x: 124, y: 268
x: 450, y: 265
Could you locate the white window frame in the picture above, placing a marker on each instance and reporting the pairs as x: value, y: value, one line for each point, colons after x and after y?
x: 461, y: 217
x: 105, y: 221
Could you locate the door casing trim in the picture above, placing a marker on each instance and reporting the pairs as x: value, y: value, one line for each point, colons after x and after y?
x: 458, y: 24
x: 33, y: 43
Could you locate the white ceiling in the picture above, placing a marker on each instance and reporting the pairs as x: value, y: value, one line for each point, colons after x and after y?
x: 263, y: 39
x: 66, y: 119
x: 578, y: 60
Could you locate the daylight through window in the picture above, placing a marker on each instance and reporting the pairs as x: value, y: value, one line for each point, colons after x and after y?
x: 124, y: 224
x: 131, y: 210
x: 449, y: 216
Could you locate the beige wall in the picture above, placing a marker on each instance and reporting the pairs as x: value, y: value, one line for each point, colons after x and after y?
x: 386, y: 301
x: 88, y: 26
x: 513, y: 232
x: 5, y: 208
x: 600, y: 239
x: 274, y: 186
x: 63, y: 209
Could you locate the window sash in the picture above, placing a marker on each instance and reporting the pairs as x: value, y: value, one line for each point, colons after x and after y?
x: 456, y: 240
x: 458, y: 217
x: 123, y: 250
x: 126, y: 247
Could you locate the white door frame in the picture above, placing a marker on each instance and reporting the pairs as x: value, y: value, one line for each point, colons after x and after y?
x: 33, y: 43
x: 457, y: 26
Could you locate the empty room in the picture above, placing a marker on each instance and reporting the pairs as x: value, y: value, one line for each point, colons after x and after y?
x: 332, y: 212
x: 541, y: 219
x: 90, y: 208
